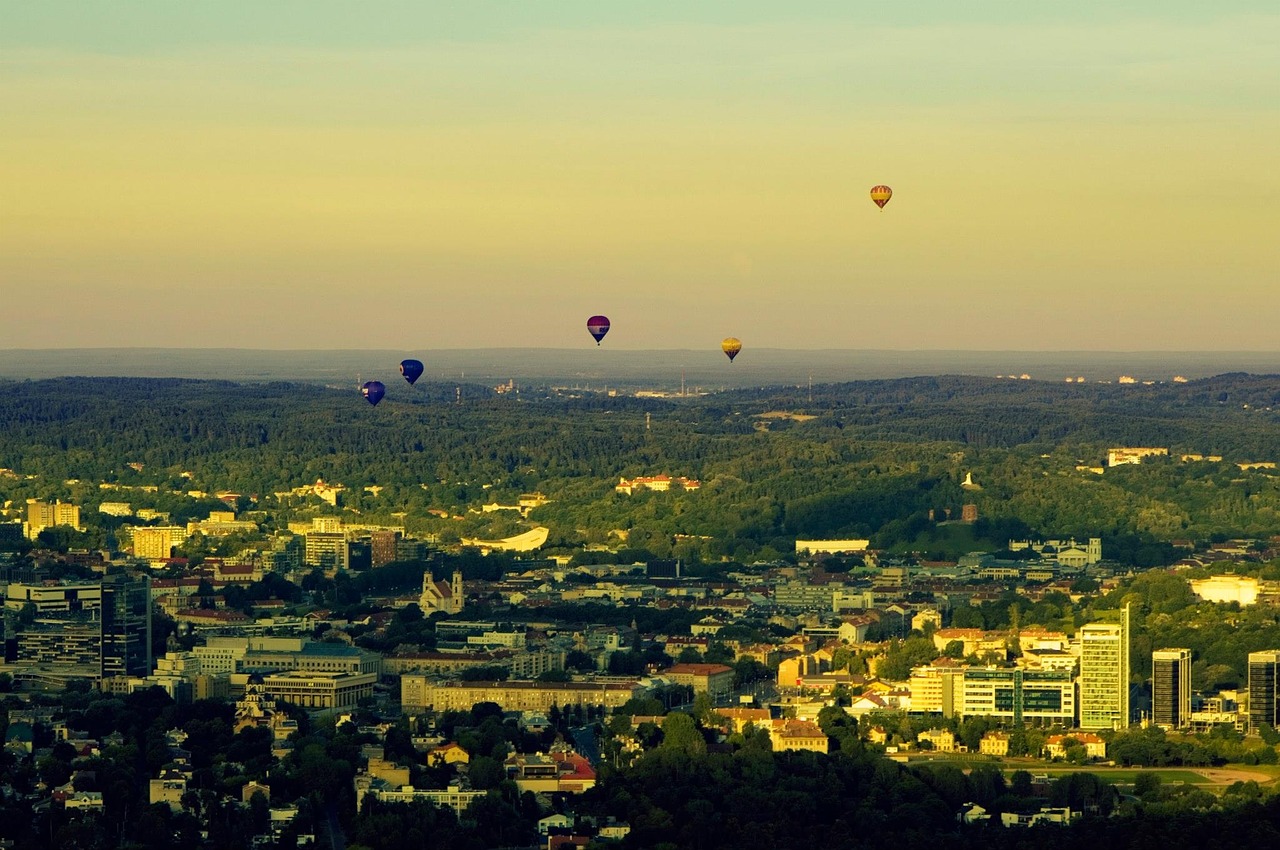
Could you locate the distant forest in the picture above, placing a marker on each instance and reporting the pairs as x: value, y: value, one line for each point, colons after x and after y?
x: 866, y: 459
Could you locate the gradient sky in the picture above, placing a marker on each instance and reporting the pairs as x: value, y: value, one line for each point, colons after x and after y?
x: 428, y: 175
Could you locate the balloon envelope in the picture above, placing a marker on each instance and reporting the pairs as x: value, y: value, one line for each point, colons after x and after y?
x: 881, y: 195
x: 598, y: 326
x: 731, y: 346
x: 411, y: 369
x: 373, y: 391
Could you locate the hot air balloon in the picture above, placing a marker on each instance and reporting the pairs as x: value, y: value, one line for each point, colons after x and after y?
x: 598, y: 326
x: 881, y: 195
x: 411, y: 369
x: 731, y: 346
x: 373, y: 391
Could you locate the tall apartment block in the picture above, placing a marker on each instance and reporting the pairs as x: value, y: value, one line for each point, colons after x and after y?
x: 1104, y: 674
x: 1264, y: 671
x: 1171, y: 688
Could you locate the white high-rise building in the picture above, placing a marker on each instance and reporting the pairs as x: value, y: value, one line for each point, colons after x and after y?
x: 1104, y: 674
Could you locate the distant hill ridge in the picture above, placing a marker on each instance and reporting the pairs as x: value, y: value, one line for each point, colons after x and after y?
x: 703, y: 369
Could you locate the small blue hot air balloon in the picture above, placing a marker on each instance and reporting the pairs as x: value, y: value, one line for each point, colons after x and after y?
x: 411, y: 369
x: 373, y: 391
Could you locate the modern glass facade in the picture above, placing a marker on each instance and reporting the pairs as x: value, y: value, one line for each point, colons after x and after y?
x: 1171, y: 688
x: 1263, y: 667
x: 1018, y: 695
x: 126, y: 626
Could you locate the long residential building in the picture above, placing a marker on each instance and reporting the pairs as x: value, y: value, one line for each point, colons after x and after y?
x: 276, y: 653
x: 1017, y: 695
x: 523, y: 664
x: 1011, y: 694
x: 455, y: 797
x: 420, y: 692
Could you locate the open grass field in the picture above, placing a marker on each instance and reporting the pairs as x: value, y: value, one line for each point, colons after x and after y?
x: 1209, y: 778
x: 1126, y: 775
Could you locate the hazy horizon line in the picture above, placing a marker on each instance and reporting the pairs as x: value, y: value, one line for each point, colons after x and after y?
x: 491, y: 348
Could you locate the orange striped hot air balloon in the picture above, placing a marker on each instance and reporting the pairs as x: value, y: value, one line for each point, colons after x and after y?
x: 731, y: 346
x: 881, y: 195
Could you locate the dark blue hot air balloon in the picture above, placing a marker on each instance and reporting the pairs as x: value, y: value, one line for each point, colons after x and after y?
x: 373, y: 391
x: 411, y: 369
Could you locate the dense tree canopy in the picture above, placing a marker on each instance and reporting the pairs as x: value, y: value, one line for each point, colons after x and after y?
x: 876, y: 458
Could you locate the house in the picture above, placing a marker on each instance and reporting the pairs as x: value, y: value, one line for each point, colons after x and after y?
x: 555, y: 842
x: 1094, y: 747
x: 252, y: 788
x: 388, y: 772
x: 854, y: 629
x: 738, y: 719
x: 714, y: 679
x: 555, y: 821
x: 994, y: 744
x: 656, y: 483
x: 922, y: 620
x: 168, y: 788
x: 791, y: 671
x: 941, y: 740
x: 767, y: 654
x: 536, y: 722
x: 974, y: 641
x: 576, y: 773
x: 84, y: 800
x: 19, y: 737
x: 706, y: 626
x: 1039, y: 638
x: 449, y: 753
x: 865, y: 704
x: 797, y: 735
x: 561, y: 771
x: 673, y: 645
x: 1045, y: 815
x: 614, y: 831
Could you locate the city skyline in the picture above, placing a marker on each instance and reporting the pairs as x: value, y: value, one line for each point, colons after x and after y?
x: 301, y: 176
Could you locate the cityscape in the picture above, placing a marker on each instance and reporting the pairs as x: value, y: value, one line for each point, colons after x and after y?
x: 384, y: 650
x: 639, y: 426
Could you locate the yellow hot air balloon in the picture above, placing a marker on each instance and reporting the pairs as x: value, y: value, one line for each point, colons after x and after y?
x: 881, y: 195
x: 731, y: 346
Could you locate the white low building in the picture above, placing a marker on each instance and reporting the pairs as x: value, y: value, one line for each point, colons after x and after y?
x: 830, y: 547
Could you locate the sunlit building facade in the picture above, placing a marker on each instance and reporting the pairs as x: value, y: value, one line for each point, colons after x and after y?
x: 1104, y: 674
